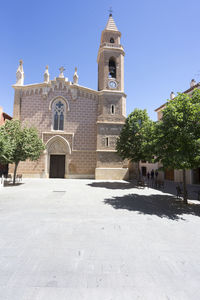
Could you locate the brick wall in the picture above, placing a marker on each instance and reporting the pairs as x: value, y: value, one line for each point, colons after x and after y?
x: 82, y: 163
x: 79, y: 120
x: 109, y: 160
x: 30, y: 167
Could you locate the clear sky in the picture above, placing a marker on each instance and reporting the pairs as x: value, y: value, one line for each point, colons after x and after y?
x: 161, y: 41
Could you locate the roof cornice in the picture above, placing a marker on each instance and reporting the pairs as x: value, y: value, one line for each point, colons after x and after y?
x: 188, y: 91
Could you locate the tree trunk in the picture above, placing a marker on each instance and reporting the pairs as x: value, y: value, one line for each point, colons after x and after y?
x: 184, y: 188
x: 15, y: 172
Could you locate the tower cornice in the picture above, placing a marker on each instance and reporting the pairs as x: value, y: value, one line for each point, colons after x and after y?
x: 109, y: 46
x: 112, y: 31
x: 120, y: 93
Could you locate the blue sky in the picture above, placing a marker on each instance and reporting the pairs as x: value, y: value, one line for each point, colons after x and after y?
x: 160, y: 38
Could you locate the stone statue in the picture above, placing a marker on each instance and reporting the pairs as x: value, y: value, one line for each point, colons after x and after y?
x: 61, y: 75
x: 20, y: 74
x: 46, y: 75
x: 172, y: 95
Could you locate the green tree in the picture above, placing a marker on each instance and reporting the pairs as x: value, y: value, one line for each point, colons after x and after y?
x: 19, y: 143
x: 177, y: 135
x: 135, y: 142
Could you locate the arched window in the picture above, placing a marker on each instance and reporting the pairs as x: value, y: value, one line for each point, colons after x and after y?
x: 112, y: 68
x: 58, y: 115
x: 112, y: 40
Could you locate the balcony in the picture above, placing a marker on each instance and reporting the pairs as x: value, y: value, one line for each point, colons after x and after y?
x: 111, y: 45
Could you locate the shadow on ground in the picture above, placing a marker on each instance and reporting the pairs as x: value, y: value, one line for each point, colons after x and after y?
x: 163, y: 206
x: 169, y: 187
x: 10, y: 184
x: 115, y: 185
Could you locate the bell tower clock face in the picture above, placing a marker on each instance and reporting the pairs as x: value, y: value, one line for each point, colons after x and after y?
x: 112, y: 84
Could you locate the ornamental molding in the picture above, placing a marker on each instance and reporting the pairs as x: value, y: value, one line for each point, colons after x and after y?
x: 57, y: 85
x: 60, y: 84
x: 58, y: 145
x: 63, y: 99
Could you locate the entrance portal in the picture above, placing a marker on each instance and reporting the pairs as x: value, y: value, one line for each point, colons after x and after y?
x: 57, y: 166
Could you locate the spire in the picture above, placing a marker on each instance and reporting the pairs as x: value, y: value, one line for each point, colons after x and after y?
x: 111, y: 24
x: 75, y: 77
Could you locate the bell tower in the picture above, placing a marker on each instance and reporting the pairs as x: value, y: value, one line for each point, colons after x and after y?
x: 111, y: 104
x: 110, y: 59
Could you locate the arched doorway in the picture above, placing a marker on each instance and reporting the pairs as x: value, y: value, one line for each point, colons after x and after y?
x: 57, y: 157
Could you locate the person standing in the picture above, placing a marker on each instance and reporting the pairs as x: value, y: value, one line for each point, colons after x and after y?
x: 148, y: 177
x: 152, y: 177
x: 156, y: 182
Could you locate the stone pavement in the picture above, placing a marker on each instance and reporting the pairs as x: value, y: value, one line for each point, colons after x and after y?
x: 92, y: 240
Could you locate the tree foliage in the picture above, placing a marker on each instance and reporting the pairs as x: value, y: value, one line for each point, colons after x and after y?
x: 135, y: 142
x: 177, y: 134
x: 19, y: 143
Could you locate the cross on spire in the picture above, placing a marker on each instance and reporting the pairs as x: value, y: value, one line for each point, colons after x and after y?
x: 110, y: 11
x: 61, y: 69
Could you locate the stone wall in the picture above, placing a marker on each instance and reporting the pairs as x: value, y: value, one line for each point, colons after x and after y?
x: 30, y: 168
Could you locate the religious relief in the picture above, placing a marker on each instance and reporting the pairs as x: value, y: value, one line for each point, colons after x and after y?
x: 57, y: 148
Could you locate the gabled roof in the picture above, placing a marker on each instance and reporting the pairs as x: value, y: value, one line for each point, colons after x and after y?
x: 111, y: 24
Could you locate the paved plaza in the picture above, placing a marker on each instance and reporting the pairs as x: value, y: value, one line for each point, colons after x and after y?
x: 96, y: 240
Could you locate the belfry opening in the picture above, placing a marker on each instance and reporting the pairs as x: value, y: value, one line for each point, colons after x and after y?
x: 112, y: 68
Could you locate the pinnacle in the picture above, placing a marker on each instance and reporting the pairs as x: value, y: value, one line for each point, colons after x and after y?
x: 111, y: 24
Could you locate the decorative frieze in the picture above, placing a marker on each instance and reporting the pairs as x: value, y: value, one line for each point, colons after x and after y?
x: 44, y: 89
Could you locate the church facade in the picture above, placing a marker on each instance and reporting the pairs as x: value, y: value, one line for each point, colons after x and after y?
x: 78, y: 125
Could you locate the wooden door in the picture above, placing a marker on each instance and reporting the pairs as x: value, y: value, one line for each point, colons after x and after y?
x: 169, y: 174
x: 144, y: 171
x: 57, y: 166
